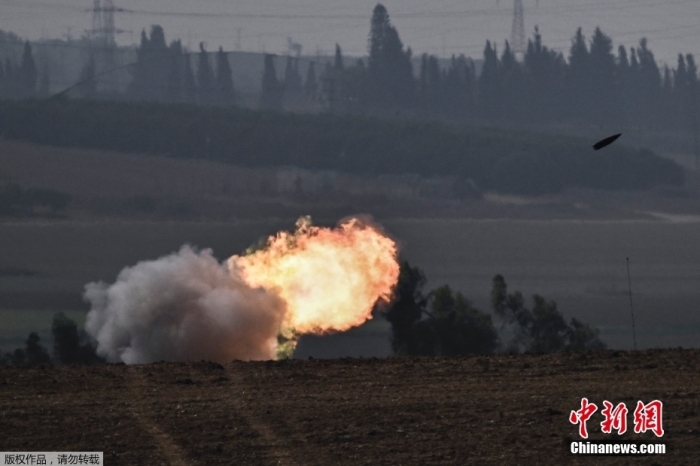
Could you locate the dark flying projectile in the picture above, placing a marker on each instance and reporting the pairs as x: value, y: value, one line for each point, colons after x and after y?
x: 607, y: 141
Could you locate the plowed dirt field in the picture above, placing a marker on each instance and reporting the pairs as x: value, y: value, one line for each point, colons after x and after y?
x: 502, y: 409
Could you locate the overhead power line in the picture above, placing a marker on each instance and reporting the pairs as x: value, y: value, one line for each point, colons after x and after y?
x: 599, y: 6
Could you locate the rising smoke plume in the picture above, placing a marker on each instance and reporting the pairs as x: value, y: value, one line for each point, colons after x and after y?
x: 185, y: 306
x: 188, y: 306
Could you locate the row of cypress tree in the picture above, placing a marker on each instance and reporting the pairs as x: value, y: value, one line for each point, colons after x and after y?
x: 592, y: 85
x: 164, y: 73
x: 21, y: 80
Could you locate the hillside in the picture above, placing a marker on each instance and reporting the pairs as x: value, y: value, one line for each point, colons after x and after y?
x: 503, y: 409
x: 139, y: 186
x: 505, y: 161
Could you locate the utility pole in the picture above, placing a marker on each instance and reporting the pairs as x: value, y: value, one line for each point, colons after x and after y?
x: 103, y: 28
x: 108, y: 19
x: 96, y: 19
x: 517, y: 35
x: 629, y: 288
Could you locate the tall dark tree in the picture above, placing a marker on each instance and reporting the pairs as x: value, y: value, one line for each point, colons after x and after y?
x: 390, y: 72
x: 459, y: 82
x: 176, y: 72
x: 16, y: 357
x: 206, y: 86
x: 151, y: 71
x: 634, y: 62
x: 668, y: 120
x: 272, y: 90
x: 490, y: 93
x: 680, y: 92
x: 649, y: 86
x: 431, y: 91
x: 377, y: 35
x: 636, y: 106
x: 578, y: 85
x: 623, y: 62
x: 626, y: 80
x: 140, y: 82
x: 512, y: 87
x: 224, y: 78
x: 339, y: 84
x: 292, y: 79
x: 422, y: 85
x: 541, y: 329
x: 605, y: 102
x: 35, y: 353
x: 330, y: 88
x: 311, y: 84
x: 189, y: 83
x: 28, y: 73
x: 693, y: 105
x: 353, y: 86
x: 407, y: 308
x: 293, y: 85
x: 441, y: 323
x: 338, y: 64
x: 158, y: 38
x: 544, y: 91
x: 66, y: 342
x: 88, y: 84
x: 459, y: 328
x: 67, y: 346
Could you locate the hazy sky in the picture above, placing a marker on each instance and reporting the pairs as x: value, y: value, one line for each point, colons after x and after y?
x: 441, y: 27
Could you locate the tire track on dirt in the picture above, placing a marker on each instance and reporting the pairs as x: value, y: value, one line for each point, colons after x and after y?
x: 266, y: 418
x: 144, y: 416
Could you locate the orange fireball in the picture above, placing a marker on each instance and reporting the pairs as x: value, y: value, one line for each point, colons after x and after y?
x: 330, y: 279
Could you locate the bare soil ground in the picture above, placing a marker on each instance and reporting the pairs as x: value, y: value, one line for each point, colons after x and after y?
x: 503, y: 409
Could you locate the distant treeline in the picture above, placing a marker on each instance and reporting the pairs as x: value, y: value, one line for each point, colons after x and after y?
x: 19, y: 201
x: 70, y: 346
x: 21, y: 80
x: 444, y: 323
x: 438, y: 323
x: 504, y: 161
x: 594, y: 84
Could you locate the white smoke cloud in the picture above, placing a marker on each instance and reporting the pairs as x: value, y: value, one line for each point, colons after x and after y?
x: 185, y: 306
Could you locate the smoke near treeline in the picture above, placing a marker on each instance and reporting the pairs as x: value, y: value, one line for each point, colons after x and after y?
x: 188, y: 306
x: 185, y: 306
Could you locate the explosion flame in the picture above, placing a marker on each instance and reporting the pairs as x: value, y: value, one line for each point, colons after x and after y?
x: 313, y: 281
x: 330, y: 279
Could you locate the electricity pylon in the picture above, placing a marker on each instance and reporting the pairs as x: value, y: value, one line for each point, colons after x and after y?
x: 517, y: 35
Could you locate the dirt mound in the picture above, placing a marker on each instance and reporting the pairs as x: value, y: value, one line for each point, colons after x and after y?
x: 503, y: 409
